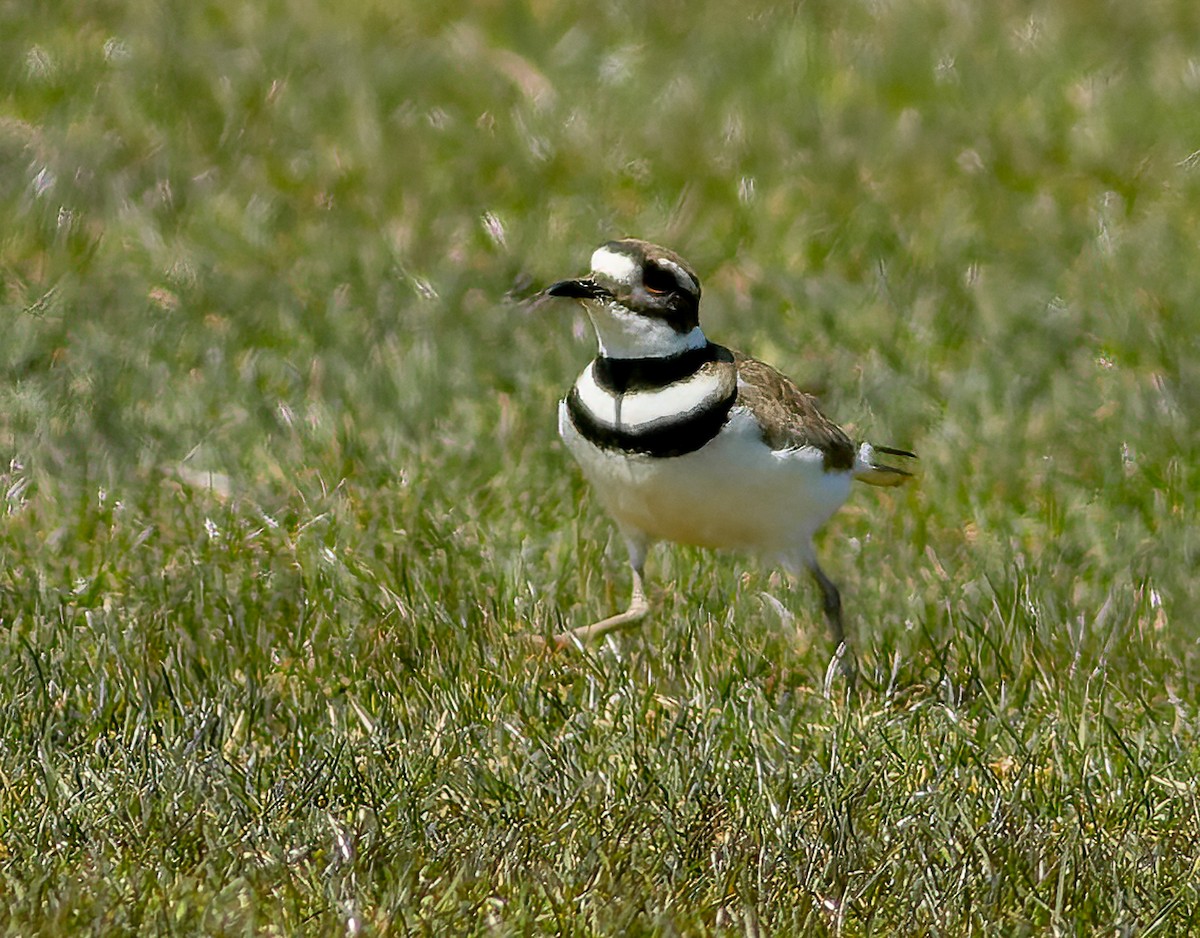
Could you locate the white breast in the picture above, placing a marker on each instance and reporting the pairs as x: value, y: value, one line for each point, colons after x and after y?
x: 734, y: 492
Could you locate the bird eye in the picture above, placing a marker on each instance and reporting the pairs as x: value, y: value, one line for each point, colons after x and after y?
x: 658, y: 282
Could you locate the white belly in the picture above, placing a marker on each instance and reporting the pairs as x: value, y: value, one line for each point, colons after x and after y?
x: 734, y: 492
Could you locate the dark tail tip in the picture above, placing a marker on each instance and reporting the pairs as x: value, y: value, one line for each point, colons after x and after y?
x: 894, y: 452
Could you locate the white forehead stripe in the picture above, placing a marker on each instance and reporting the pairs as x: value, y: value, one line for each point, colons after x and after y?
x: 616, y: 267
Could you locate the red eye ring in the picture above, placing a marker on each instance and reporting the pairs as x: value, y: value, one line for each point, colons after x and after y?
x: 658, y: 282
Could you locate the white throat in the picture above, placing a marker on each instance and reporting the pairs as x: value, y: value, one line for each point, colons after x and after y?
x: 625, y: 334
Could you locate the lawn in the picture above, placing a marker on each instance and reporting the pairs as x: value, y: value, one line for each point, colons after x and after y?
x: 283, y: 498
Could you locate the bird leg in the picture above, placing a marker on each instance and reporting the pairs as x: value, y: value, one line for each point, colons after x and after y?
x: 831, y: 600
x: 638, y: 604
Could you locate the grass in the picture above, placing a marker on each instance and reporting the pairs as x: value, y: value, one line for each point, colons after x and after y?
x: 282, y: 490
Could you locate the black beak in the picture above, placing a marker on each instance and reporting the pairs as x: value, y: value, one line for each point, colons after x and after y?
x: 583, y: 289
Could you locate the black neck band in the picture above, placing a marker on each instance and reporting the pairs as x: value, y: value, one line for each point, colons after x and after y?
x: 625, y: 375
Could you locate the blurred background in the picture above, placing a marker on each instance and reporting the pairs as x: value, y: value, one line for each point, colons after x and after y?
x: 279, y: 208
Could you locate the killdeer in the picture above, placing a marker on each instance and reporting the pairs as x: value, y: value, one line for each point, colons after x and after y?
x: 687, y: 441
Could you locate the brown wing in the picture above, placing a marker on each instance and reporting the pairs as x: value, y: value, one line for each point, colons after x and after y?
x: 790, y: 417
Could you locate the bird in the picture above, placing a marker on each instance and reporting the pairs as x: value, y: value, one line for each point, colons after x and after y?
x: 686, y: 441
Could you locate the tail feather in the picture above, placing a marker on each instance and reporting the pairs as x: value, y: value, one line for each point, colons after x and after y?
x: 866, y: 469
x: 894, y: 452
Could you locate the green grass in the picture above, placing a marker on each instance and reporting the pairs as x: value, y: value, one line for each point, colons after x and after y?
x: 282, y: 490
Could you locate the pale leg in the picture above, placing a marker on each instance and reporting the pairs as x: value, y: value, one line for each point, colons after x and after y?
x: 637, y: 545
